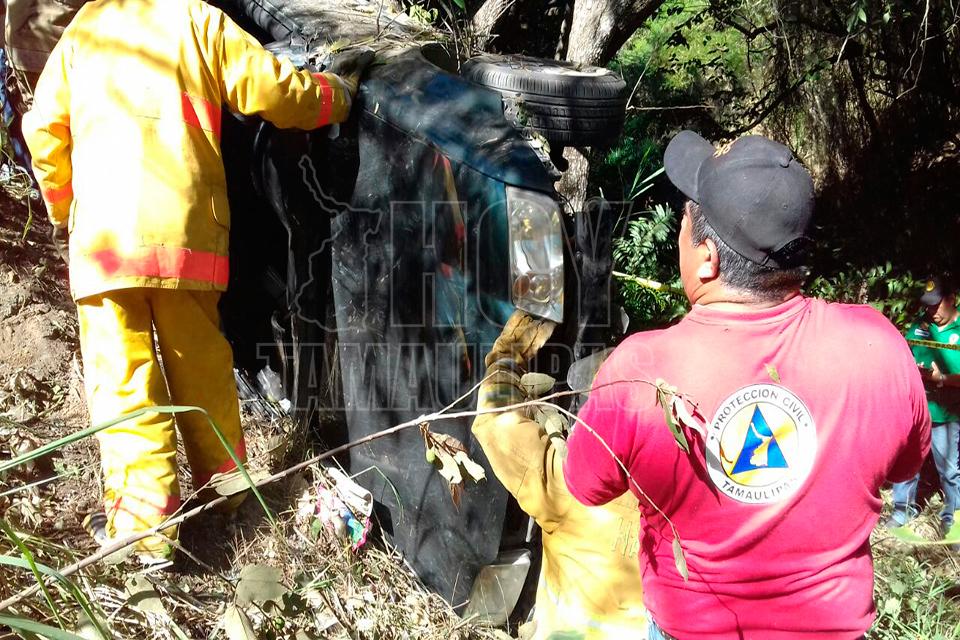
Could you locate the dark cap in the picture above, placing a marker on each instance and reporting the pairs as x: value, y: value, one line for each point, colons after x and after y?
x: 934, y: 289
x: 753, y: 192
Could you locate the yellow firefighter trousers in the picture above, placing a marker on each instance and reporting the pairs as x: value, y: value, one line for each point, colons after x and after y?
x: 122, y: 374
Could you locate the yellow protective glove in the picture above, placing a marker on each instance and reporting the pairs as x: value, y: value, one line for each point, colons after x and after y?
x: 521, y: 339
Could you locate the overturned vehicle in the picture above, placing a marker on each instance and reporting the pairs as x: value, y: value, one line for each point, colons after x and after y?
x: 374, y: 264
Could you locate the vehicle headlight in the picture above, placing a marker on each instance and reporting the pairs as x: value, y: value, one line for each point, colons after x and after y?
x: 536, y: 253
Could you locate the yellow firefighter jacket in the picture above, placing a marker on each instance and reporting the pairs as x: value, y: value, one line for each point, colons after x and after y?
x: 125, y: 130
x: 590, y: 579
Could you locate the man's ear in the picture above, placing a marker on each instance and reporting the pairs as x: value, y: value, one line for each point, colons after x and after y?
x: 709, y: 267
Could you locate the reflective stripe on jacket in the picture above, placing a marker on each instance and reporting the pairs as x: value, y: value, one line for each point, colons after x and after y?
x: 125, y: 132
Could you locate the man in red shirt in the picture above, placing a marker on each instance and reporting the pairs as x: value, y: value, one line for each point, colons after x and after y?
x: 806, y: 409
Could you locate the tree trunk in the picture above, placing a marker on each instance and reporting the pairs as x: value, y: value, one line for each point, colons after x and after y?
x: 599, y: 29
x: 573, y: 183
x: 487, y: 17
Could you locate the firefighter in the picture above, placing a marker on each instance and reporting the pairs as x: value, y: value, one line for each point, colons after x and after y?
x: 124, y: 133
x: 589, y: 583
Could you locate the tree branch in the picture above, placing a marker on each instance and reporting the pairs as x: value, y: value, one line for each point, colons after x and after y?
x: 778, y: 100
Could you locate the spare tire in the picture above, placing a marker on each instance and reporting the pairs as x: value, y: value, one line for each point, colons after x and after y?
x: 570, y: 104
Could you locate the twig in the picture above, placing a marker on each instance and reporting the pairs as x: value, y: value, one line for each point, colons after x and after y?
x: 380, y: 32
x: 676, y: 108
x: 616, y: 459
x: 921, y: 48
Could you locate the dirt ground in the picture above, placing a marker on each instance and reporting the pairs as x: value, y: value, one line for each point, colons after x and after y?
x: 41, y: 385
x: 38, y: 326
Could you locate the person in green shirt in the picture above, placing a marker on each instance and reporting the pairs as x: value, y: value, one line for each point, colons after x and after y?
x: 940, y: 370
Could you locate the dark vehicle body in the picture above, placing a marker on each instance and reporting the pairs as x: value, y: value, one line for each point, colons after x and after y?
x: 389, y: 277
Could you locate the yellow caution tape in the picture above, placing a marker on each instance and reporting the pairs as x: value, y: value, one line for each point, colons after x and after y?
x: 932, y: 344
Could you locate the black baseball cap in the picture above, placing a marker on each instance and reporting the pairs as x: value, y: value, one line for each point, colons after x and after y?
x: 934, y: 289
x: 753, y: 192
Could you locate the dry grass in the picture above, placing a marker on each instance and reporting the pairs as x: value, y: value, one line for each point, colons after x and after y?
x: 332, y: 592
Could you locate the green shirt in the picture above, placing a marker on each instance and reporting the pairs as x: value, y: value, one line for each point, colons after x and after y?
x: 942, y: 408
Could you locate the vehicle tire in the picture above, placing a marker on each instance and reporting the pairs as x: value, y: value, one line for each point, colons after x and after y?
x: 566, y: 103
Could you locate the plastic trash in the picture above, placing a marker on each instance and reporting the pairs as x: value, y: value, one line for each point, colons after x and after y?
x: 271, y: 387
x: 344, y: 507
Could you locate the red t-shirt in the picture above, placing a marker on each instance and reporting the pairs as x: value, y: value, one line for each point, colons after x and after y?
x: 775, y: 507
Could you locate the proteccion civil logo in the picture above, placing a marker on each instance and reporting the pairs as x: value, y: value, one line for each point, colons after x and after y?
x: 761, y: 444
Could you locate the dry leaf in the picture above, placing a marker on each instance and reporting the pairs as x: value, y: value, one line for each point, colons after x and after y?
x: 679, y: 560
x: 233, y: 482
x: 143, y: 596
x: 236, y: 625
x: 665, y: 395
x: 473, y: 470
x: 449, y: 468
x: 260, y: 583
x: 118, y: 556
x: 451, y: 459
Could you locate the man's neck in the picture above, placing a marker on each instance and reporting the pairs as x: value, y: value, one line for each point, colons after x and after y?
x: 724, y: 298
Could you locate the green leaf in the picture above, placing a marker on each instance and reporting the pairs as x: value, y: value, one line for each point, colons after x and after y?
x: 679, y: 560
x: 260, y: 583
x: 236, y: 625
x: 682, y: 415
x: 552, y: 422
x: 461, y: 3
x: 898, y: 587
x: 953, y: 534
x: 772, y: 372
x: 906, y: 534
x: 862, y: 15
x: 29, y: 626
x: 891, y: 607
